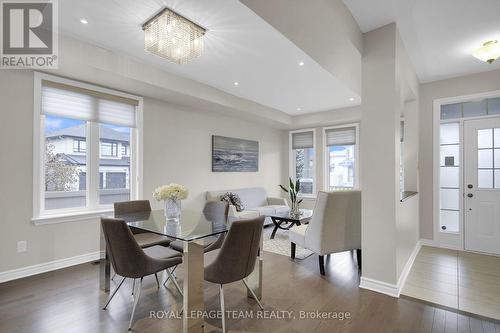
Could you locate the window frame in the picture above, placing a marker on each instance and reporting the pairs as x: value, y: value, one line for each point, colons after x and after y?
x: 79, y: 148
x: 113, y: 145
x: 92, y: 208
x: 292, y: 161
x: 326, y: 156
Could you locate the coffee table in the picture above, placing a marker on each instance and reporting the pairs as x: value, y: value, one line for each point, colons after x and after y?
x: 285, y: 221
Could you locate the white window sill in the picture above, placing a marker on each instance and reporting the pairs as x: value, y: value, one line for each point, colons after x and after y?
x: 71, y: 217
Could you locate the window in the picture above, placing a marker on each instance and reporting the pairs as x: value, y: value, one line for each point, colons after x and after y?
x: 115, y: 173
x: 79, y: 145
x: 73, y: 168
x: 488, y: 158
x: 303, y: 161
x: 450, y: 177
x: 125, y: 149
x: 341, y: 157
x: 109, y: 149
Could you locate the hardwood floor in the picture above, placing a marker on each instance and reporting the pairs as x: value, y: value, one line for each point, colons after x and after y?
x: 69, y: 300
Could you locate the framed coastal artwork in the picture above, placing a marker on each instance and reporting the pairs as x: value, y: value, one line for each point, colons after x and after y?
x: 234, y: 155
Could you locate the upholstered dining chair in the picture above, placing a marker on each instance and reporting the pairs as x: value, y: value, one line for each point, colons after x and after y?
x: 334, y: 227
x: 129, y: 260
x: 144, y: 239
x: 236, y: 258
x: 214, y: 211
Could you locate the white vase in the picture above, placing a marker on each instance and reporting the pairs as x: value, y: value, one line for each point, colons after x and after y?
x: 172, y: 208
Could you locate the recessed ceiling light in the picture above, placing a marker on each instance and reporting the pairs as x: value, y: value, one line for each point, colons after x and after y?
x: 351, y: 99
x: 236, y: 83
x: 299, y: 109
x: 301, y: 63
x: 84, y: 21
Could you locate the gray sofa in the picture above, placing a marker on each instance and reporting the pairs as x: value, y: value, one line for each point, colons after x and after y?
x: 255, y: 201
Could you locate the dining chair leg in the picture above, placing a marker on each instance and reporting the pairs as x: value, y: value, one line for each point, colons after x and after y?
x: 221, y: 294
x: 136, y: 300
x: 157, y: 281
x: 133, y: 288
x: 292, y: 250
x: 175, y: 282
x: 358, y: 255
x: 168, y: 277
x: 113, y: 294
x: 253, y: 294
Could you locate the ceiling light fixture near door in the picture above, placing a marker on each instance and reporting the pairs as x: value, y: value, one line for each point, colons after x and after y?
x: 173, y: 37
x: 84, y: 21
x: 489, y: 52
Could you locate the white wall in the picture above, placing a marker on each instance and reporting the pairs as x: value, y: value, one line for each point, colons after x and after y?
x: 177, y: 148
x: 389, y: 227
x: 460, y: 86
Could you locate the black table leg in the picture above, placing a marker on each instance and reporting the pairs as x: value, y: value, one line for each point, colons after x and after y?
x: 276, y: 226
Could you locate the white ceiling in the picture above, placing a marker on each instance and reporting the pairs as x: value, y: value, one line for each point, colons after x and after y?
x: 239, y: 46
x: 439, y: 35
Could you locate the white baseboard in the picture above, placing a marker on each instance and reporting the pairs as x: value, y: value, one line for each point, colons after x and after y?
x: 48, y: 266
x: 408, y: 266
x: 393, y: 290
x: 379, y: 286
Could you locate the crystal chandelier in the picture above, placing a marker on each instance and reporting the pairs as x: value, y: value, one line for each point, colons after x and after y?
x: 173, y: 37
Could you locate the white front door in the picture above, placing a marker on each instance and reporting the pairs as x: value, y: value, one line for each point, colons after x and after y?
x: 482, y: 185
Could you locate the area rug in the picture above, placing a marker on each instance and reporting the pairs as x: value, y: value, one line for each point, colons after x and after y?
x: 281, y: 244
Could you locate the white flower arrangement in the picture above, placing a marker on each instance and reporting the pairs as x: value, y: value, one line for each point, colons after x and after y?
x: 171, y: 191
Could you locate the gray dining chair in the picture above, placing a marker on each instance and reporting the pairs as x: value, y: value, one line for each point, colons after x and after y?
x: 129, y: 260
x: 214, y: 211
x: 236, y: 258
x: 144, y: 239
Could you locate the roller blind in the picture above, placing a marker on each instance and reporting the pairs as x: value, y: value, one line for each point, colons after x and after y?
x: 341, y: 136
x: 72, y: 102
x: 303, y: 140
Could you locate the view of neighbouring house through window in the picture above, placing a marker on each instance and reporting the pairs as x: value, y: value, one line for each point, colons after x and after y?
x: 66, y: 163
x: 341, y: 167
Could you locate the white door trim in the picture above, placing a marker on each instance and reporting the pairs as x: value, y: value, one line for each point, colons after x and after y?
x: 449, y: 240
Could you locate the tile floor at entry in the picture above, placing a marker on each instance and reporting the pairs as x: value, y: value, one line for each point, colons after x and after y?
x: 461, y: 280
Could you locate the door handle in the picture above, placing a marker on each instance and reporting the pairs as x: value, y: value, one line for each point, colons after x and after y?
x: 470, y: 195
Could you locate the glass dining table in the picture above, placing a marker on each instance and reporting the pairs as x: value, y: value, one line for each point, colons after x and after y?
x: 192, y: 228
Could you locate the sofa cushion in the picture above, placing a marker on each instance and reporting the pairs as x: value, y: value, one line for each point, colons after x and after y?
x: 264, y: 210
x: 279, y: 209
x: 247, y: 214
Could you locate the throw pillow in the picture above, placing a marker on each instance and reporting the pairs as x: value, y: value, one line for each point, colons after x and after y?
x: 233, y: 199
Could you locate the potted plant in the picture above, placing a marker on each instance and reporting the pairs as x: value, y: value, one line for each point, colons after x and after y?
x: 171, y: 194
x: 293, y: 191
